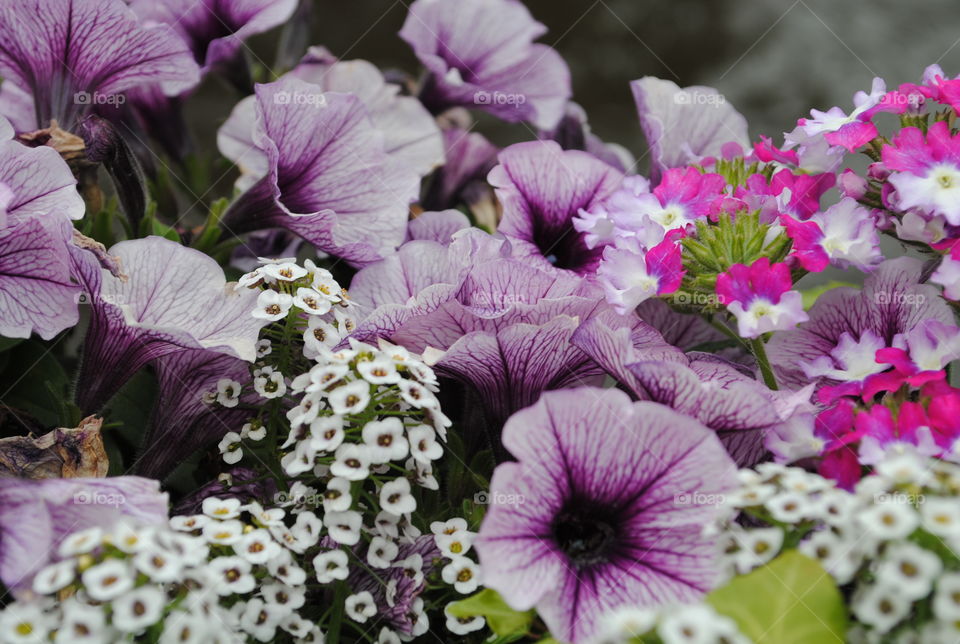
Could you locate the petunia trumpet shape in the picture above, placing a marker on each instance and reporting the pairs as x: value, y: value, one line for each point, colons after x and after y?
x: 182, y: 423
x: 480, y: 54
x: 215, y: 30
x: 684, y: 124
x: 35, y: 515
x: 70, y: 55
x: 174, y: 299
x: 605, y: 507
x: 542, y: 189
x: 328, y: 175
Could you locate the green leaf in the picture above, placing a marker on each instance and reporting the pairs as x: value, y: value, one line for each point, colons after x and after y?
x: 791, y: 600
x: 811, y: 294
x: 502, y: 619
x: 34, y: 381
x: 9, y: 343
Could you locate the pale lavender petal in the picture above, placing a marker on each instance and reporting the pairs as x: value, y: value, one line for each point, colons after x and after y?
x: 56, y: 49
x: 437, y: 226
x: 330, y: 179
x: 469, y: 158
x: 682, y: 125
x: 176, y: 298
x: 36, y: 293
x: 480, y: 54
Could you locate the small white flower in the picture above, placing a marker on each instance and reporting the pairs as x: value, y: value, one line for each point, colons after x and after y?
x: 283, y: 270
x: 80, y: 623
x: 381, y: 552
x: 941, y: 516
x: 270, y: 384
x: 54, y: 577
x: 21, y: 622
x: 319, y: 336
x: 81, y: 542
x: 331, y: 566
x: 221, y: 508
x: 233, y: 575
x: 107, y: 580
x: 382, y: 371
x: 452, y: 545
x: 412, y: 567
x: 385, y: 440
x: 417, y: 395
x: 257, y: 546
x: 326, y: 433
x: 272, y: 305
x: 300, y: 460
x: 789, y: 507
x: 462, y: 625
x: 448, y: 527
x: 264, y: 348
x: 283, y: 568
x: 228, y: 392
x: 304, y: 413
x: 223, y: 533
x: 423, y: 444
x: 360, y: 607
x: 351, y: 398
x: 136, y: 610
x: 463, y: 573
x: 157, y: 565
x: 909, y: 568
x: 260, y: 619
x: 889, y: 519
x: 628, y: 622
x: 388, y: 637
x: 751, y: 495
x: 301, y: 628
x: 757, y: 547
x: 386, y: 524
x: 337, y: 496
x: 273, y: 516
x: 880, y: 607
x: 836, y: 507
x: 346, y: 323
x: 838, y: 556
x: 311, y: 301
x: 231, y: 448
x: 344, y: 527
x: 288, y: 597
x: 307, y: 528
x: 181, y: 627
x: 421, y: 623
x: 395, y: 497
x: 690, y: 624
x: 189, y: 522
x: 254, y: 431
x: 352, y: 462
x: 946, y: 599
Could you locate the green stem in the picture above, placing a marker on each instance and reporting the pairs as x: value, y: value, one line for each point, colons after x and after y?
x: 336, y: 617
x: 760, y: 354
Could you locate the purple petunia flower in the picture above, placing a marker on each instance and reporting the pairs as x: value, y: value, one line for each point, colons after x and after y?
x: 573, y: 133
x: 741, y: 410
x: 38, y: 197
x: 215, y: 30
x: 327, y: 177
x: 485, y: 318
x: 685, y: 124
x: 182, y: 423
x: 175, y: 299
x: 605, y: 507
x: 35, y: 515
x: 410, y: 134
x: 480, y: 54
x: 542, y: 189
x: 462, y: 178
x: 437, y: 226
x: 847, y: 326
x: 70, y: 55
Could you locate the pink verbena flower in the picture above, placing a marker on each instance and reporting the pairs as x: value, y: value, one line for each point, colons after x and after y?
x: 844, y: 235
x: 849, y: 131
x: 926, y: 170
x: 630, y: 275
x: 760, y: 297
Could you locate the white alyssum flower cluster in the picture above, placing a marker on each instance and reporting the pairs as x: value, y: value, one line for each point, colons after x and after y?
x: 454, y: 541
x: 894, y: 541
x: 675, y: 624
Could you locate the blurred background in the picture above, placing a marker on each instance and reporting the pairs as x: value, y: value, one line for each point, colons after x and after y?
x: 773, y: 59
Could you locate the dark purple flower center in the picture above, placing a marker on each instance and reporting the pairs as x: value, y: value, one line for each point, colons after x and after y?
x: 565, y: 248
x: 585, y: 533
